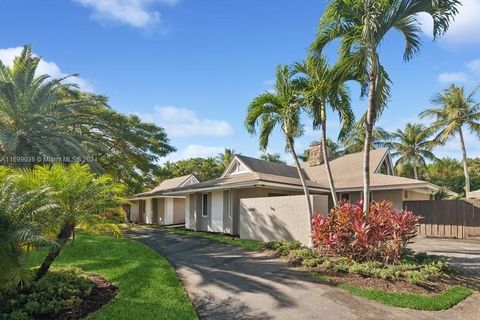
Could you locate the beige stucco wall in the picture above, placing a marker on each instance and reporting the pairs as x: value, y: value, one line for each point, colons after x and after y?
x: 278, y: 218
x: 178, y: 211
x: 396, y: 196
x: 414, y: 196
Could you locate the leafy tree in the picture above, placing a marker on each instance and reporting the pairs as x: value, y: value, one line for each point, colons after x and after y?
x: 22, y: 218
x: 322, y: 87
x: 203, y: 169
x: 81, y: 198
x: 226, y: 157
x: 361, y: 26
x: 455, y: 111
x: 272, y: 157
x: 279, y: 108
x: 50, y: 121
x: 412, y: 146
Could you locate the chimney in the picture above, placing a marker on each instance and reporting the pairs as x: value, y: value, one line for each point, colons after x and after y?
x: 315, y: 156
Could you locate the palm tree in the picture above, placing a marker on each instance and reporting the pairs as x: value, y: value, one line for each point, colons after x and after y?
x: 279, y: 108
x: 272, y: 157
x: 81, y: 198
x: 455, y: 111
x: 322, y: 86
x: 412, y: 146
x: 354, y: 141
x: 22, y: 217
x: 34, y: 113
x: 362, y: 25
x: 226, y: 157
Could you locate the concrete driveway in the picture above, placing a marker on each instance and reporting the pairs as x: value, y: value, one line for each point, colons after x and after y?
x: 462, y: 254
x: 226, y: 282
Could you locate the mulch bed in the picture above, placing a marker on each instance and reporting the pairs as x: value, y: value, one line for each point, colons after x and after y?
x: 102, y: 293
x: 436, y: 286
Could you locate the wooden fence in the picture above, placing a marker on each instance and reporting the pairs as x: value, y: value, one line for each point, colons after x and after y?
x: 447, y: 218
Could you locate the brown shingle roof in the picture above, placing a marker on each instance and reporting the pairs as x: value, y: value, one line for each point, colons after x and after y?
x: 269, y: 167
x: 250, y: 178
x: 165, y: 185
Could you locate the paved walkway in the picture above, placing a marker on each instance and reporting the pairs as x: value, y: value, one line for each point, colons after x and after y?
x: 463, y: 254
x: 226, y: 282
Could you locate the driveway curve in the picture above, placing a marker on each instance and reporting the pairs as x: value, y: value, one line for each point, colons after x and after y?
x: 227, y: 282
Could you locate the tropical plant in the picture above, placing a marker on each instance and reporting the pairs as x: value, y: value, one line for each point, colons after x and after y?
x: 22, y: 218
x: 381, y: 234
x: 272, y: 157
x: 412, y: 146
x: 362, y: 26
x: 321, y: 87
x: 44, y: 120
x: 81, y: 198
x: 33, y: 113
x: 455, y: 111
x: 279, y: 108
x: 354, y: 141
x: 226, y: 157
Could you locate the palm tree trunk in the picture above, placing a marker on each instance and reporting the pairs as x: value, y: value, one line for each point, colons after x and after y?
x: 465, y: 165
x: 327, y: 163
x: 305, y: 190
x: 369, y: 129
x: 62, y: 238
x: 415, y: 173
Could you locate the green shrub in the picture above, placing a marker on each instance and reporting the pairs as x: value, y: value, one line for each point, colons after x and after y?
x: 286, y: 247
x: 58, y: 291
x: 272, y: 245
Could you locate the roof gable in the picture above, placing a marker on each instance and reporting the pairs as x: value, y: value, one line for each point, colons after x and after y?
x: 236, y: 166
x: 269, y: 167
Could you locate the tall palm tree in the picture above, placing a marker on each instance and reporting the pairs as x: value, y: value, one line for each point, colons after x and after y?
x: 412, y: 146
x: 455, y: 111
x: 354, y: 141
x: 279, y: 108
x: 272, y: 157
x: 322, y: 87
x: 362, y: 25
x: 226, y: 157
x: 81, y: 198
x: 34, y: 112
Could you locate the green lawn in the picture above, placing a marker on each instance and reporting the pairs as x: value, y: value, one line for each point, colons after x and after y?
x: 148, y: 285
x: 445, y: 300
x: 226, y: 239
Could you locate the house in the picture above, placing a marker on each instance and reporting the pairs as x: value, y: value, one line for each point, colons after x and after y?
x: 262, y: 200
x: 154, y: 207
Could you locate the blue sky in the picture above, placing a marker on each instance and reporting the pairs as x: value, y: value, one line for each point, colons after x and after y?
x: 193, y: 66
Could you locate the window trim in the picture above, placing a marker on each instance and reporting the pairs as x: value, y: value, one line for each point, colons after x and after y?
x: 204, y: 205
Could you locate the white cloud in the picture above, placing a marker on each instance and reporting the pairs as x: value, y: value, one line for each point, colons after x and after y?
x: 194, y: 151
x: 135, y: 13
x: 452, y: 148
x: 182, y: 122
x: 474, y: 66
x: 453, y: 77
x: 44, y: 67
x: 465, y: 28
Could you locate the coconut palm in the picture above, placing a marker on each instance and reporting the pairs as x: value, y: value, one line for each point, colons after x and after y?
x: 412, y: 146
x: 22, y: 217
x: 322, y: 87
x: 361, y: 26
x: 279, y: 108
x: 81, y: 198
x: 272, y: 157
x: 354, y: 141
x: 456, y: 111
x: 226, y: 157
x: 34, y: 113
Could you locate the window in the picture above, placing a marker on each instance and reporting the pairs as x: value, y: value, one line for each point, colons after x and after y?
x: 345, y: 197
x: 204, y: 205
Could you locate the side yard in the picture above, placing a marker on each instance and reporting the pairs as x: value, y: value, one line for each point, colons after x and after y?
x: 148, y: 287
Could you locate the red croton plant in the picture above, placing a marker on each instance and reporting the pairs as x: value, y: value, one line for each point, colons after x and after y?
x: 380, y: 235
